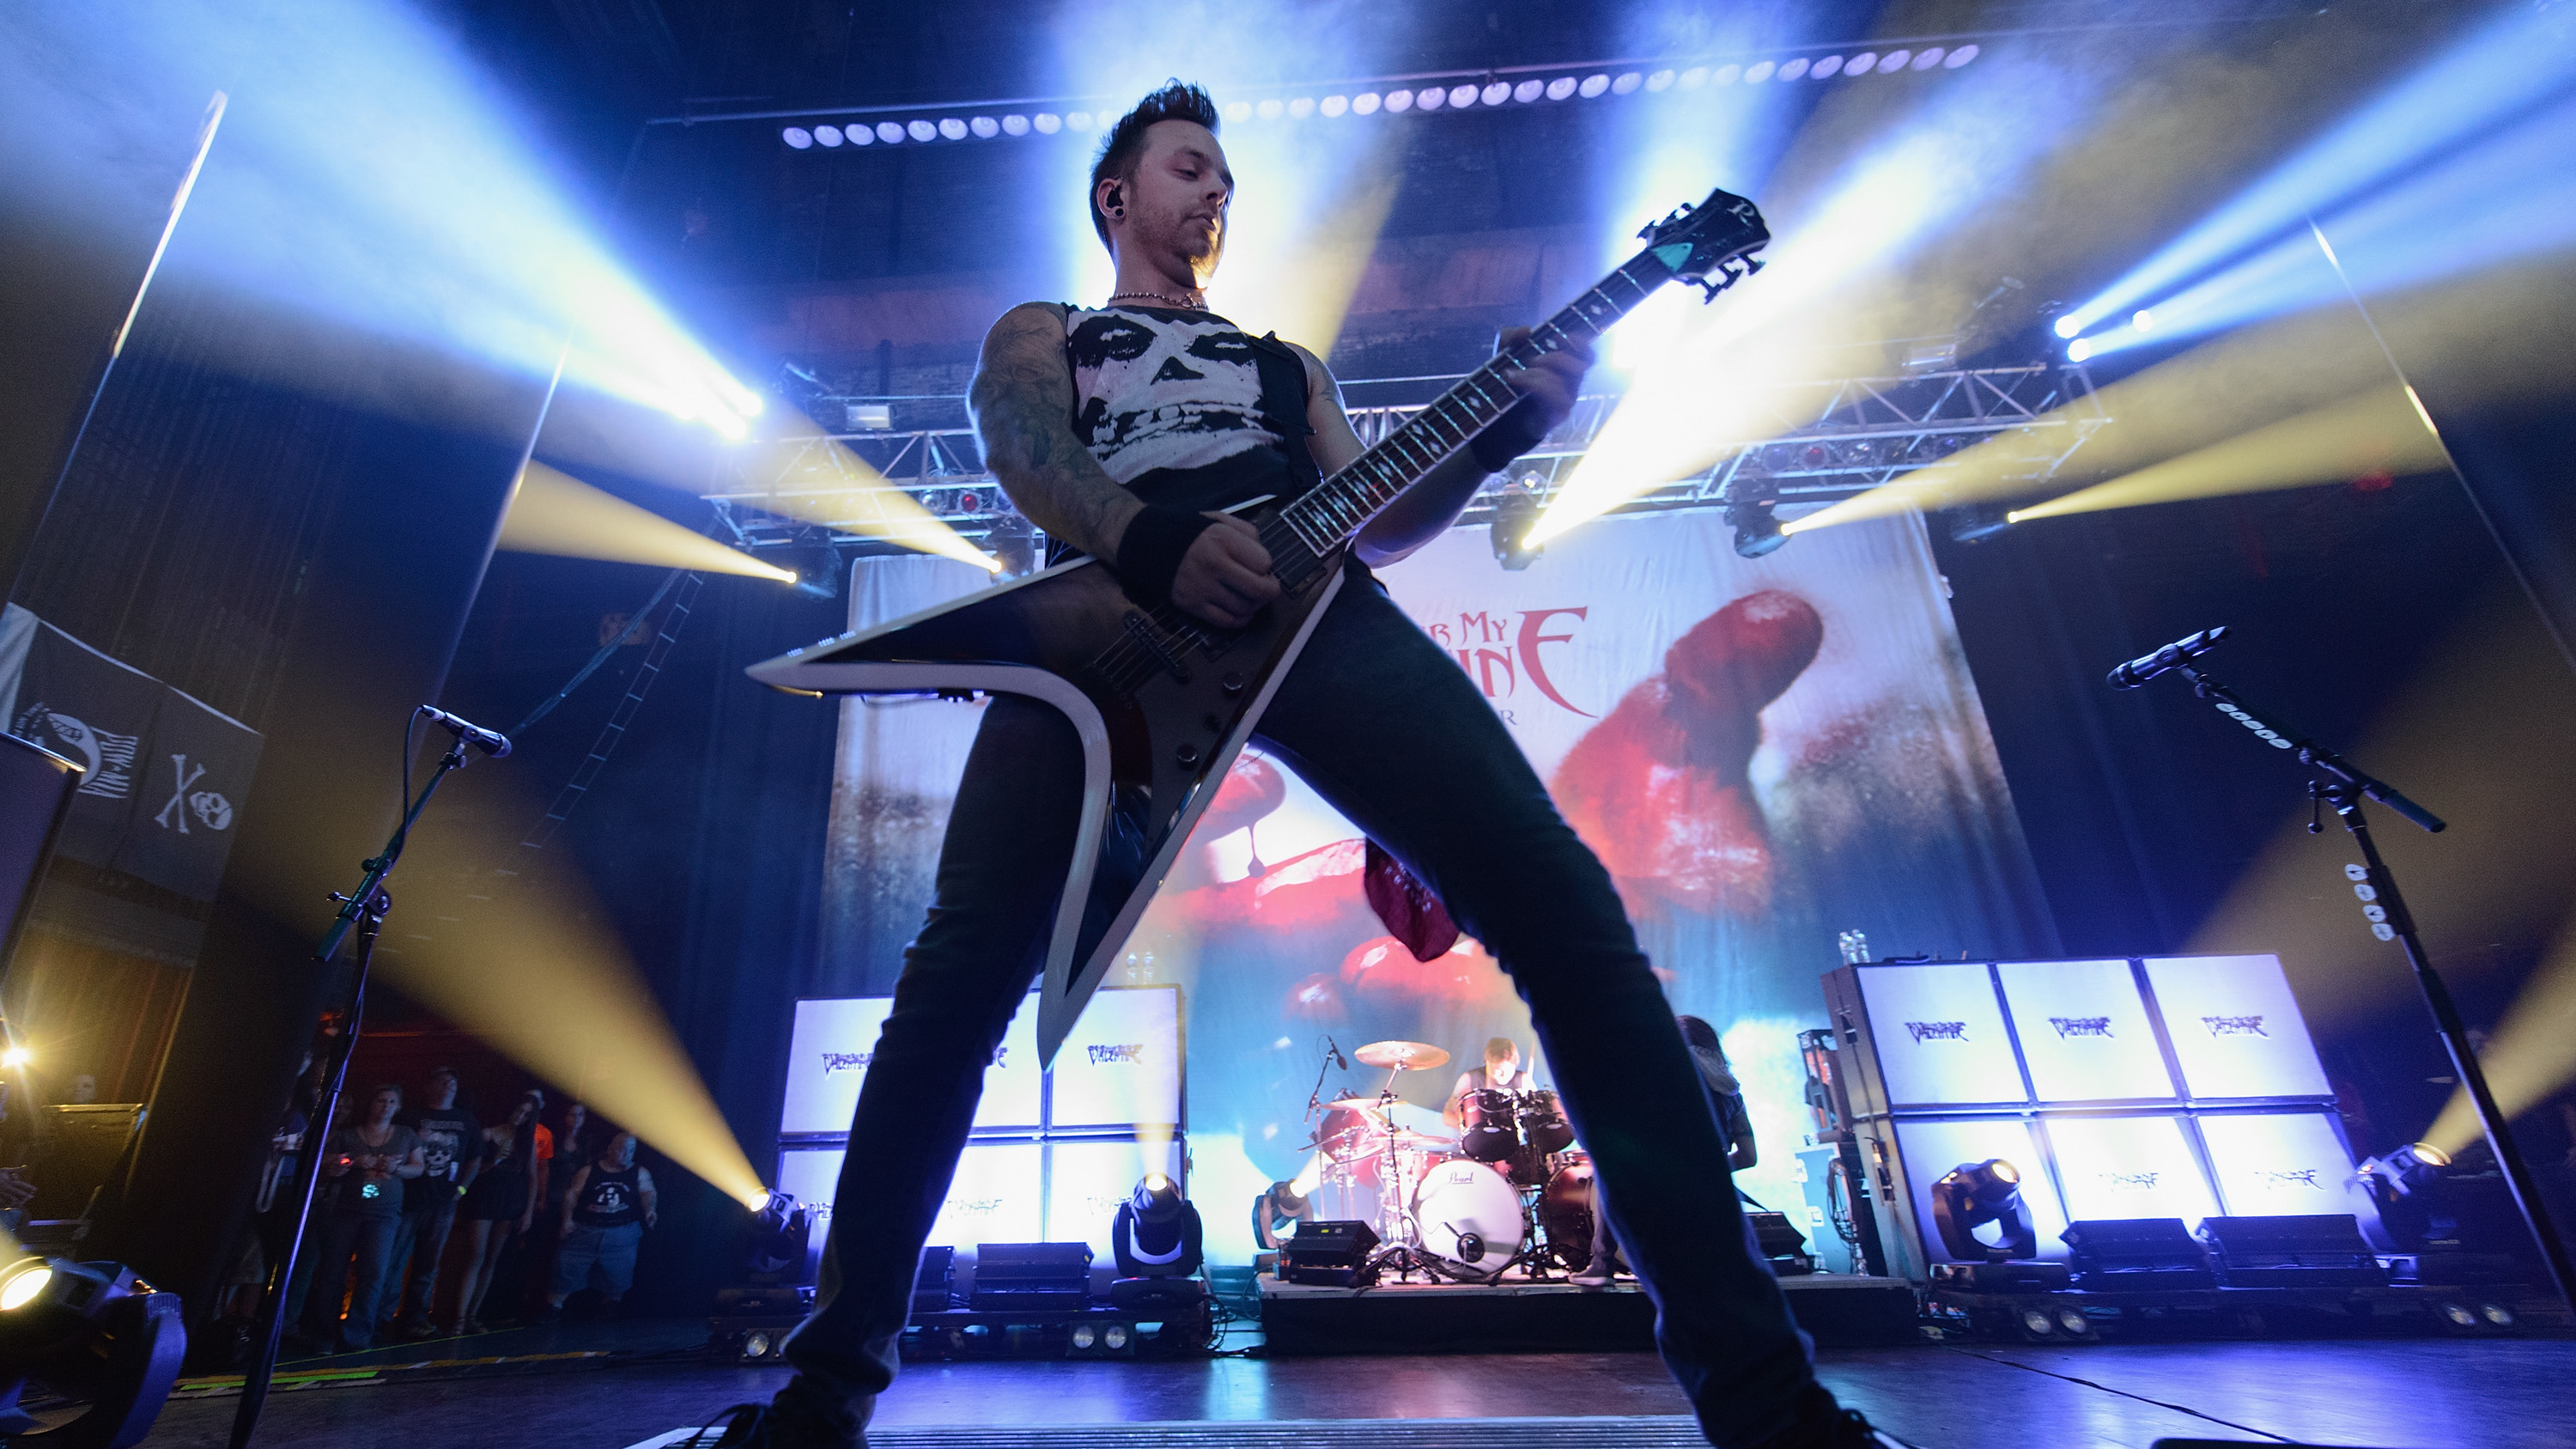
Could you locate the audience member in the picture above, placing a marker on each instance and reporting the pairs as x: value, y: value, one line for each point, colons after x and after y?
x: 364, y: 1167
x: 573, y: 1147
x: 501, y: 1201
x: 607, y: 1206
x: 451, y: 1145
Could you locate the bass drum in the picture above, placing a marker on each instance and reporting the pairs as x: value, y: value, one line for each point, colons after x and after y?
x: 1470, y: 1215
x: 1565, y: 1210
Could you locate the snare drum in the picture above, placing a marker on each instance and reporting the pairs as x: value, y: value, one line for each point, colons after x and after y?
x: 1490, y: 1121
x: 1469, y: 1214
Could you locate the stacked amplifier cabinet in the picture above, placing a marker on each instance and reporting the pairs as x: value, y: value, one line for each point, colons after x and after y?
x: 2165, y: 1087
x: 1053, y: 1152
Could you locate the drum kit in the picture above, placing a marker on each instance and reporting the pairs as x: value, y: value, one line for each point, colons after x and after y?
x: 1511, y: 1190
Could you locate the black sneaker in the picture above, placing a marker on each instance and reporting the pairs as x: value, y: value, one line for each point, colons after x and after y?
x: 1852, y: 1429
x: 1824, y: 1424
x: 795, y: 1418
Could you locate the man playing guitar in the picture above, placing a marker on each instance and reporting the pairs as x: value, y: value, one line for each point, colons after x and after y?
x: 1124, y: 432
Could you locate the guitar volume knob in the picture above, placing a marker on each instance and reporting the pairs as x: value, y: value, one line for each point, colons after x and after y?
x: 1187, y: 754
x: 1232, y: 683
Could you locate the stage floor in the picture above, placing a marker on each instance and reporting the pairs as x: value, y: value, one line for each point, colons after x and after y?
x: 2393, y: 1394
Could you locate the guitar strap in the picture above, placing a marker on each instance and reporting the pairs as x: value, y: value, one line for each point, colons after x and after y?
x: 1283, y: 406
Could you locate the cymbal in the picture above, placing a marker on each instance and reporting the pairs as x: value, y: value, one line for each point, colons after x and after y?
x: 1407, y: 1137
x: 1354, y: 1104
x: 1402, y: 1056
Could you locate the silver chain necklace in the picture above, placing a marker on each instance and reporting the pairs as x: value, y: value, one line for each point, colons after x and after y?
x: 1182, y: 303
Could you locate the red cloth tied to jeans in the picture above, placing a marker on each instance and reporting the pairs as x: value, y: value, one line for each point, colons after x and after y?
x: 1412, y: 914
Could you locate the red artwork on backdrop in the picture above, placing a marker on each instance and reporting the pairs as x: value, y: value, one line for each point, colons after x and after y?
x: 1660, y: 789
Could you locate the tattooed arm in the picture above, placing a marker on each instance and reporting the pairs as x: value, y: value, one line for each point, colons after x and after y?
x: 1022, y: 399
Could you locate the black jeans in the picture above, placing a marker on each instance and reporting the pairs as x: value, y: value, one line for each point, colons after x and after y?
x: 1391, y: 733
x: 337, y: 1235
x: 420, y: 1242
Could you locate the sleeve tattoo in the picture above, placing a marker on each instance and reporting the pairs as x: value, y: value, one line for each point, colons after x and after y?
x: 1022, y: 400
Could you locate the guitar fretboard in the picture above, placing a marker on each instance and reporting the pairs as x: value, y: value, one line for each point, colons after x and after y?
x: 1337, y: 508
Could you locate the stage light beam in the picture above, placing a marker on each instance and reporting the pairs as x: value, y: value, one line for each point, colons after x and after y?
x: 815, y: 479
x: 1832, y: 281
x: 2531, y: 1055
x: 2383, y: 431
x: 520, y: 957
x: 554, y: 513
x: 2496, y: 337
x: 2511, y: 62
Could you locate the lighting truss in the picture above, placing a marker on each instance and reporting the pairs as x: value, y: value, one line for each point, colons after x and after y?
x: 1825, y: 441
x: 823, y: 130
x: 1822, y: 441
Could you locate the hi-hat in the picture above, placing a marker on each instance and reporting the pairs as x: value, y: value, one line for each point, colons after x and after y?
x: 1402, y: 1056
x: 1355, y: 1104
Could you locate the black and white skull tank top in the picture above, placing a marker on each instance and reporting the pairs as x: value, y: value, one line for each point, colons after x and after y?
x: 1170, y: 403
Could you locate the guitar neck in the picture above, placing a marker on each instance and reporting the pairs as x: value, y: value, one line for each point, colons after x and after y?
x: 1335, y: 510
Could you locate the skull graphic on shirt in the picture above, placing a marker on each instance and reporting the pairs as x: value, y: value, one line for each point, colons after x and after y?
x: 1164, y: 391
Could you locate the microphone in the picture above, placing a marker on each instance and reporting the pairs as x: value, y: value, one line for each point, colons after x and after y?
x: 490, y: 742
x: 1339, y: 1060
x: 2173, y: 656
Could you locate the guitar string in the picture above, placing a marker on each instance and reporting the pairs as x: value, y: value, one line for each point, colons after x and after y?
x: 1131, y: 653
x: 1123, y: 658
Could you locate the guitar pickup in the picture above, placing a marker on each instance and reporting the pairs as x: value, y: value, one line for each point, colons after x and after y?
x: 1158, y: 645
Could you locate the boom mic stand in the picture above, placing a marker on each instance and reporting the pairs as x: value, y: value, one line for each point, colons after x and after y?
x: 2335, y: 781
x: 362, y: 912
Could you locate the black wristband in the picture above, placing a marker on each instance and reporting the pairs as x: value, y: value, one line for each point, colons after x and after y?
x: 1509, y: 436
x: 1150, y: 551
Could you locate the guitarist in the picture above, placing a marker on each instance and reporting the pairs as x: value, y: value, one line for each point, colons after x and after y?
x: 1121, y: 430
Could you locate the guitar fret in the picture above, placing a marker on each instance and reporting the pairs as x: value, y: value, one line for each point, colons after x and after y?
x: 1339, y: 506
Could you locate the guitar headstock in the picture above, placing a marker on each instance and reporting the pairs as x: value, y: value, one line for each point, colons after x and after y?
x: 1711, y: 243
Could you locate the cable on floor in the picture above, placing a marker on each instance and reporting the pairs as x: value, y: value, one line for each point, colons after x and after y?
x: 2123, y: 1393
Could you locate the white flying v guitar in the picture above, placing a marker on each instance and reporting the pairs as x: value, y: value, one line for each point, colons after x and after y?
x: 1162, y: 702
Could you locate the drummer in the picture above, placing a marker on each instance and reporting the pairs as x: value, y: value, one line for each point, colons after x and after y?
x: 1500, y: 1073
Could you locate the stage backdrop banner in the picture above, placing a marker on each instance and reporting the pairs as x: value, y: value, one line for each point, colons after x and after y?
x: 163, y: 773
x: 1764, y: 752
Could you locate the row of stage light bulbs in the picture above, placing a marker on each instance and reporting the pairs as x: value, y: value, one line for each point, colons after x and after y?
x: 1461, y: 96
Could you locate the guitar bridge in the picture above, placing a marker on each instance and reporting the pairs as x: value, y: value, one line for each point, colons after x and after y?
x: 1156, y: 644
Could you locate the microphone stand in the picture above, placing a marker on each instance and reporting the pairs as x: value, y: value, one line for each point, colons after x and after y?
x: 362, y: 912
x: 2337, y: 782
